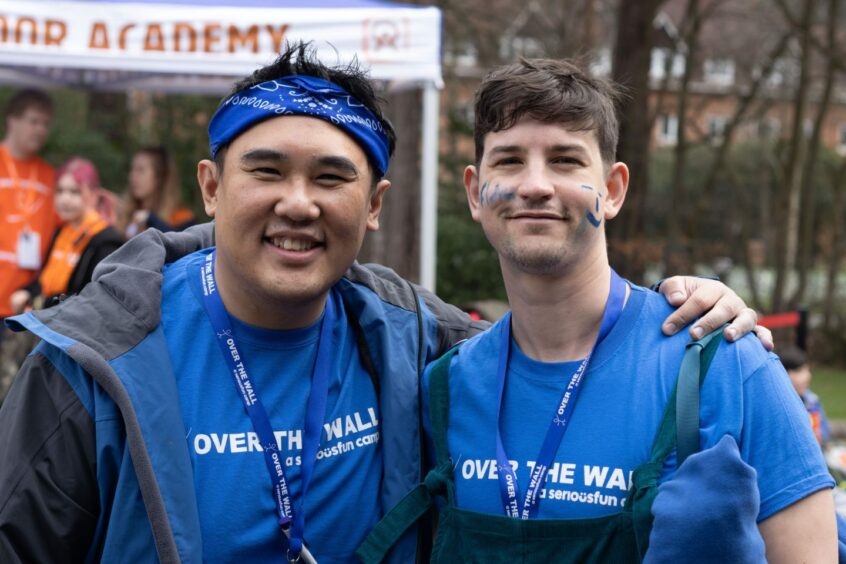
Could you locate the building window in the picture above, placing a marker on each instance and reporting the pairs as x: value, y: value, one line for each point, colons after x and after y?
x: 719, y: 72
x: 600, y: 65
x: 520, y: 46
x: 717, y: 128
x: 668, y: 129
x: 463, y: 54
x: 841, y: 139
x: 659, y: 60
x: 769, y: 129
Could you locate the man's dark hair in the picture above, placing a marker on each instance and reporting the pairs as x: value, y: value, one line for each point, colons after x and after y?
x: 549, y: 91
x: 27, y: 98
x: 301, y: 58
x: 793, y: 358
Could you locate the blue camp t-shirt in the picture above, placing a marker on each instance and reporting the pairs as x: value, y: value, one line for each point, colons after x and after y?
x: 746, y: 394
x: 234, y: 497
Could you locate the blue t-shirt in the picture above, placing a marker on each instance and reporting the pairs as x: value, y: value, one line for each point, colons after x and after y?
x: 236, y: 505
x: 747, y: 395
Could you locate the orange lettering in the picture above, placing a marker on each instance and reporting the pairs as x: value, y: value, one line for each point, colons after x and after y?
x: 277, y: 36
x: 211, y: 36
x: 54, y: 32
x: 235, y: 37
x: 179, y: 31
x: 99, y: 36
x: 122, y: 37
x: 154, y: 40
x: 32, y: 30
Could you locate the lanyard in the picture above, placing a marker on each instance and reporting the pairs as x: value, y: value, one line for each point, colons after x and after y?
x: 509, y: 488
x: 292, y: 521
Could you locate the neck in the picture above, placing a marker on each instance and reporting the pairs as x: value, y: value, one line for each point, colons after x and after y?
x: 16, y: 151
x: 264, y: 311
x: 557, y: 318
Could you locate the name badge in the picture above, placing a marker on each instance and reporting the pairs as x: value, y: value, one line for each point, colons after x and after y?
x: 29, y: 250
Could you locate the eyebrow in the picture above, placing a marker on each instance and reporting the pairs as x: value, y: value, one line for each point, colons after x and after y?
x: 561, y: 148
x: 263, y: 155
x: 342, y: 164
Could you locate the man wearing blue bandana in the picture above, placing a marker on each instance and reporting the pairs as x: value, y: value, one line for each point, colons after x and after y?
x: 554, y: 430
x: 250, y: 397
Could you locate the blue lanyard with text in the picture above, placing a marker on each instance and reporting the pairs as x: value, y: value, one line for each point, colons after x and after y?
x: 291, y: 521
x: 509, y: 488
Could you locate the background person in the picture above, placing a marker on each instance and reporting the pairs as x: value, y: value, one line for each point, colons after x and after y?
x: 153, y: 197
x: 82, y: 240
x: 795, y: 361
x: 27, y: 219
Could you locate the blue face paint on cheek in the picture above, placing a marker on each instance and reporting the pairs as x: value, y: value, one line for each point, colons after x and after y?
x: 594, y: 220
x: 494, y: 195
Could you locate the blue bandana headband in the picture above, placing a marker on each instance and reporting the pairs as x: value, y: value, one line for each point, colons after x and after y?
x: 305, y: 96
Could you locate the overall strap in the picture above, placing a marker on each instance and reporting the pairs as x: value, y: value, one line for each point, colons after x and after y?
x: 680, y: 424
x: 437, y: 482
x: 679, y: 429
x: 439, y: 404
x: 697, y: 359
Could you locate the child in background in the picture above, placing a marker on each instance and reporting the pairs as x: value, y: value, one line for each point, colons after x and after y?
x: 795, y: 361
x: 82, y: 240
x: 153, y: 197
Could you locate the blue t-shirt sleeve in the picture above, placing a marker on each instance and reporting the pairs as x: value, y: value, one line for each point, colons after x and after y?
x: 777, y: 440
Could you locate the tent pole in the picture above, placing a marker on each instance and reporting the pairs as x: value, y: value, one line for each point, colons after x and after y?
x: 429, y: 187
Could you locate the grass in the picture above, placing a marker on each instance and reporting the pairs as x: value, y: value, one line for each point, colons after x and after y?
x: 830, y: 385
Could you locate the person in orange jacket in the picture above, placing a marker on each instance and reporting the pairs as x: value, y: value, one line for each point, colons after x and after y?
x: 82, y: 240
x: 27, y: 219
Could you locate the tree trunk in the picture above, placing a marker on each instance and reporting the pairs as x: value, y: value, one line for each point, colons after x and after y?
x: 677, y: 250
x: 630, y: 68
x: 789, y: 200
x: 836, y: 258
x: 804, y: 259
x: 397, y: 243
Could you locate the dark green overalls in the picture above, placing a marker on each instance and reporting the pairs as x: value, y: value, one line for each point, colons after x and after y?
x: 468, y: 536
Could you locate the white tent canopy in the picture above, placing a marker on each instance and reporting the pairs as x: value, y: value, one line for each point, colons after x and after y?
x: 199, y: 46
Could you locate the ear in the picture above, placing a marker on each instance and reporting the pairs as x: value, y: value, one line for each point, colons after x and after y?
x: 375, y: 207
x: 471, y: 186
x: 616, y: 185
x: 207, y: 177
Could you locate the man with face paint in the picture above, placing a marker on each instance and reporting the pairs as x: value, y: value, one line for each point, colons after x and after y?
x: 549, y: 429
x: 246, y: 394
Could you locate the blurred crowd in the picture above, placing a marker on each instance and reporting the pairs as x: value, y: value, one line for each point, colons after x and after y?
x: 56, y: 225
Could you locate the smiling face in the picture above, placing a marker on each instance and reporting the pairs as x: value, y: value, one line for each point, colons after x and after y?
x: 541, y: 193
x: 71, y: 199
x: 291, y: 209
